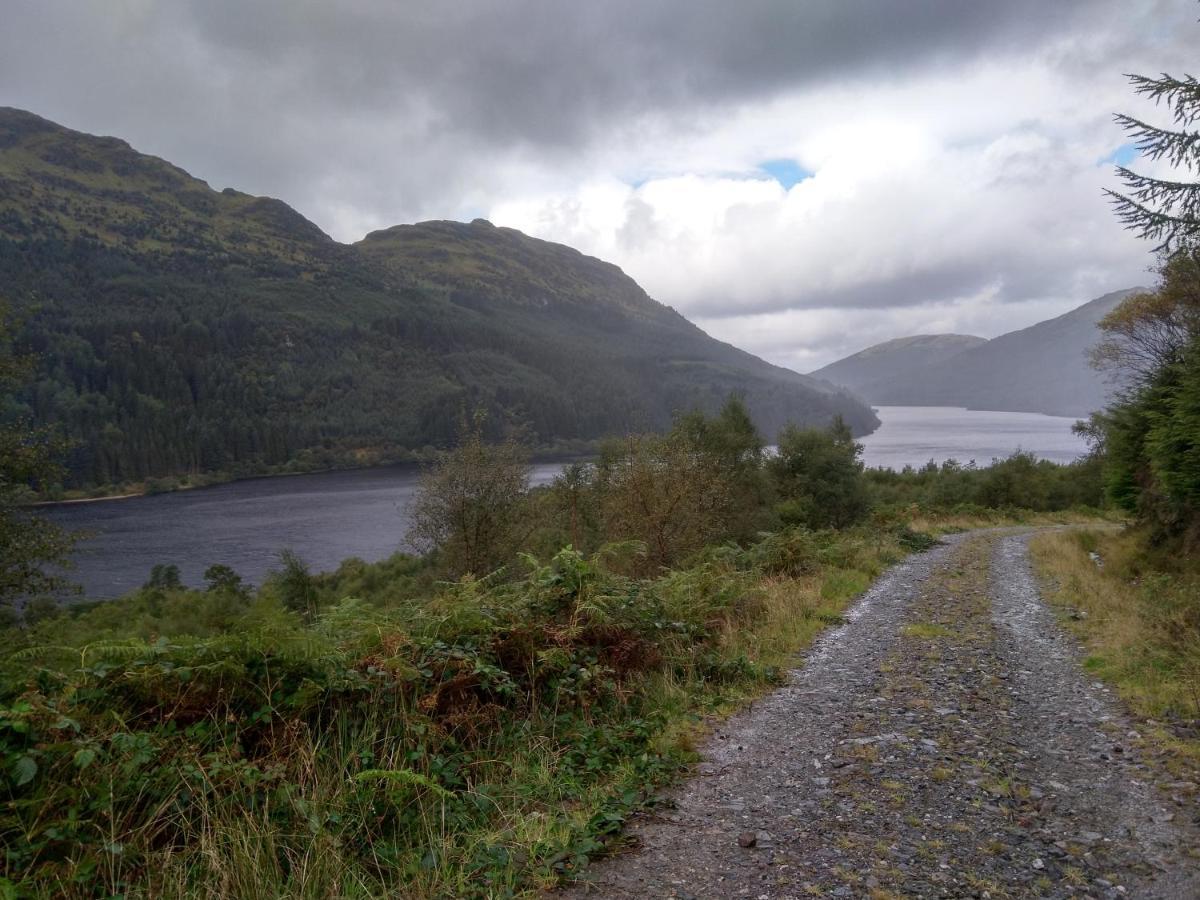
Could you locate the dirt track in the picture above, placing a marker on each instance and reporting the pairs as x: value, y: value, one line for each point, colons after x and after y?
x: 944, y: 742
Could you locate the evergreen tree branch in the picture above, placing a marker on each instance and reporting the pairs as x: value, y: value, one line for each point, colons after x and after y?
x: 1171, y: 231
x: 1180, y: 95
x: 1179, y: 148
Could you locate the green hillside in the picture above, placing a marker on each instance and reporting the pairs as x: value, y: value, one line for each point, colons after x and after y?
x: 184, y: 330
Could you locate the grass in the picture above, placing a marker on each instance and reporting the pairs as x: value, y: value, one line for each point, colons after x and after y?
x: 1135, y: 611
x: 483, y: 741
x: 950, y: 522
x: 927, y: 630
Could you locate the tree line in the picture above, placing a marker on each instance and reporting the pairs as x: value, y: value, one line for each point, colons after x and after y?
x: 1149, y: 438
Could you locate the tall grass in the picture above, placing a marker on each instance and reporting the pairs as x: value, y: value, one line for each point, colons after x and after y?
x: 482, y: 742
x: 1138, y: 617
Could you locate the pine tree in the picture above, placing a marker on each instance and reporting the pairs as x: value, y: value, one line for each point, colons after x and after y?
x: 1157, y: 209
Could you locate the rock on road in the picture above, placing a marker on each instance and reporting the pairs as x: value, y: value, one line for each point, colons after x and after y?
x: 943, y: 742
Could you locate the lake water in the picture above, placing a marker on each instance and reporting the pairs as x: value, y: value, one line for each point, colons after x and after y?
x: 325, y: 518
x: 328, y: 517
x: 913, y: 435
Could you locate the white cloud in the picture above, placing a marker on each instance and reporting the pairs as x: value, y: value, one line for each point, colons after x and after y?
x: 953, y: 145
x: 961, y: 199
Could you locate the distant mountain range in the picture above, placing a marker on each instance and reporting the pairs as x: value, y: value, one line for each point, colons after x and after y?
x: 867, y: 371
x: 181, y: 329
x: 1043, y: 368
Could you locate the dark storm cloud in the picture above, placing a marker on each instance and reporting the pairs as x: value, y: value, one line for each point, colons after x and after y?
x: 403, y: 104
x: 937, y: 284
x: 549, y: 72
x: 954, y: 146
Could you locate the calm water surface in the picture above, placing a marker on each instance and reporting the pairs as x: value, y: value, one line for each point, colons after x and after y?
x: 325, y: 518
x: 913, y: 435
x: 328, y: 517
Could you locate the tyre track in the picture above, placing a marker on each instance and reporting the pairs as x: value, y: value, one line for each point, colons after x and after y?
x: 943, y: 742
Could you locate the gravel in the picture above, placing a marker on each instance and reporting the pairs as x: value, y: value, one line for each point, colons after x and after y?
x: 943, y: 742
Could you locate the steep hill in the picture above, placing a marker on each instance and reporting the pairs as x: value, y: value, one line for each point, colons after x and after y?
x: 182, y: 329
x: 1043, y: 368
x: 894, y: 359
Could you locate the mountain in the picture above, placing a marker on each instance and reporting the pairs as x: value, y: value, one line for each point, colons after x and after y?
x: 893, y: 359
x: 1043, y: 368
x: 181, y: 329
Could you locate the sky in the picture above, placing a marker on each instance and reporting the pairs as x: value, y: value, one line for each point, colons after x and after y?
x: 802, y: 178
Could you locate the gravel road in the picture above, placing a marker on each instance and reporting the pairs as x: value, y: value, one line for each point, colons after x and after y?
x: 944, y: 742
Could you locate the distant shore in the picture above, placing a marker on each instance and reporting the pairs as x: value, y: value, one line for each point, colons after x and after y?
x: 128, y: 492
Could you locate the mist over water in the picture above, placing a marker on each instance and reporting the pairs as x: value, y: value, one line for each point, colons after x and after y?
x: 328, y: 517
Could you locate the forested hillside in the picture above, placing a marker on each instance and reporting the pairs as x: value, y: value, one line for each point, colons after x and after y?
x: 184, y: 330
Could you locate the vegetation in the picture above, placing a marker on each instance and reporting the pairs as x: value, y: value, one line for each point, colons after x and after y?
x: 383, y: 730
x: 30, y: 547
x: 819, y: 475
x: 467, y: 506
x: 479, y: 720
x: 1150, y: 438
x: 1159, y: 209
x: 1019, y: 483
x: 184, y: 333
x: 486, y: 738
x: 1135, y: 609
x: 1132, y: 596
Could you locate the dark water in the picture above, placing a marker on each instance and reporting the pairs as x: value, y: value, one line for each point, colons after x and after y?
x: 328, y: 517
x: 325, y: 518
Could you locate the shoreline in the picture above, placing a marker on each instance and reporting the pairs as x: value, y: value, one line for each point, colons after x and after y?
x: 218, y: 480
x: 43, y: 503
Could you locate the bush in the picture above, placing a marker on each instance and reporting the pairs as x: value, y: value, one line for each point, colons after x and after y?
x: 467, y: 507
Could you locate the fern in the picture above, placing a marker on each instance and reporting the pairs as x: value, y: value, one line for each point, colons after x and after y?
x: 397, y: 778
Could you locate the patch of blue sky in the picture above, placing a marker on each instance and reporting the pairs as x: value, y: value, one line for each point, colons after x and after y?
x: 1122, y: 156
x: 787, y: 172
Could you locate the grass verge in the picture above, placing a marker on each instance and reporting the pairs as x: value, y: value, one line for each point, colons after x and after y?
x: 1138, y: 617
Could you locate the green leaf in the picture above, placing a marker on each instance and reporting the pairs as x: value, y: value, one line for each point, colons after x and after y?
x: 24, y: 769
x: 84, y: 757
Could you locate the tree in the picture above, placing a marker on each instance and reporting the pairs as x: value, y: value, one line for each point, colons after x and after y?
x: 295, y: 583
x: 1149, y: 331
x: 819, y: 476
x: 1151, y: 434
x: 30, y: 547
x: 164, y: 577
x: 664, y: 491
x: 468, y: 504
x: 570, y: 492
x: 729, y: 437
x: 733, y: 444
x: 221, y: 579
x: 1158, y: 209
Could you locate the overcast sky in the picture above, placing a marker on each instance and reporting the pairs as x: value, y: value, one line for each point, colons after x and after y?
x: 801, y: 178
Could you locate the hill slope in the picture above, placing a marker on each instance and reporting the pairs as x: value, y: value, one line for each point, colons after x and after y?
x: 1043, y: 368
x: 895, y: 358
x: 182, y: 329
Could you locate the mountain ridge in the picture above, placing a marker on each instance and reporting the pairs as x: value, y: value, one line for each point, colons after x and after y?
x: 891, y: 359
x: 1042, y: 368
x: 183, y: 330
